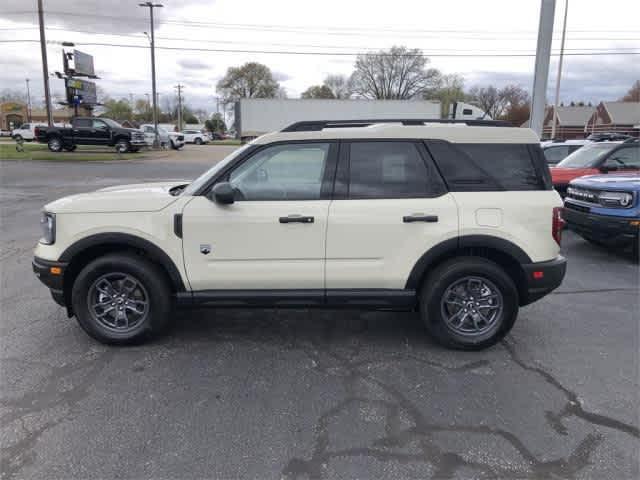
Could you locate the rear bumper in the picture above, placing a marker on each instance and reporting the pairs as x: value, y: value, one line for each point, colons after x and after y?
x: 542, y: 278
x: 609, y: 230
x: 44, y: 270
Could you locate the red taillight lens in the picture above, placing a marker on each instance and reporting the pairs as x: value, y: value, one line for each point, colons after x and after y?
x: 557, y: 224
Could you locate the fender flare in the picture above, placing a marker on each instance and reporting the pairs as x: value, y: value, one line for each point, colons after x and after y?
x: 127, y: 240
x: 446, y: 247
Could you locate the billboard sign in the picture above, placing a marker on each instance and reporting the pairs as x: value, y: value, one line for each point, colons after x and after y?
x: 81, y: 91
x: 83, y: 63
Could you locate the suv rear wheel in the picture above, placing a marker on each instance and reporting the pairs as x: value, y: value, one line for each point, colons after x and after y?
x: 198, y: 141
x: 468, y: 303
x: 121, y: 299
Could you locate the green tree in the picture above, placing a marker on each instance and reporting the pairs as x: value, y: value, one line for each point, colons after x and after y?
x: 216, y: 124
x: 251, y: 80
x: 318, y: 91
x: 394, y: 74
x: 448, y: 89
x: 117, y: 110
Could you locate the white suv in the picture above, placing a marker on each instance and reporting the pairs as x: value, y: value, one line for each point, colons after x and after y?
x: 459, y: 222
x: 195, y: 136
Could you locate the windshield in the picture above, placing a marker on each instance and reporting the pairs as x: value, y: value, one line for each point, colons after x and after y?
x: 587, y: 156
x: 111, y: 123
x: 202, y: 179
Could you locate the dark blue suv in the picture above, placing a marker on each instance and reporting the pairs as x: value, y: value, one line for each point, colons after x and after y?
x: 605, y: 209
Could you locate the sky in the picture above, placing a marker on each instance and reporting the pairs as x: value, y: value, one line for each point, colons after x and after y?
x: 459, y: 36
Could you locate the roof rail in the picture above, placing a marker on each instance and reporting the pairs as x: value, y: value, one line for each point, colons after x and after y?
x: 632, y: 140
x: 316, y: 125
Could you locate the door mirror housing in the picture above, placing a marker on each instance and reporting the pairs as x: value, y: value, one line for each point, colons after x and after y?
x: 608, y: 168
x: 222, y: 193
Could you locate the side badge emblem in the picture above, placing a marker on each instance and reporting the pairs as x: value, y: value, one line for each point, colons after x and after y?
x: 205, y: 249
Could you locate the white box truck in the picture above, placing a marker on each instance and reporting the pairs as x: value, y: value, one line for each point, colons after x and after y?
x: 257, y: 116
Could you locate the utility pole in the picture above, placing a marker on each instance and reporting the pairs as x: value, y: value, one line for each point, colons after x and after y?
x: 557, y: 99
x: 28, y: 101
x: 179, y: 87
x: 45, y: 66
x: 541, y: 73
x: 151, y: 6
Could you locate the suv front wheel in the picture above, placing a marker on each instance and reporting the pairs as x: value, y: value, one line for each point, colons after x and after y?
x: 468, y: 303
x: 121, y: 298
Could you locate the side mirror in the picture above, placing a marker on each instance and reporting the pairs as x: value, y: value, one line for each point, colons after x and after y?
x: 608, y: 168
x: 222, y: 193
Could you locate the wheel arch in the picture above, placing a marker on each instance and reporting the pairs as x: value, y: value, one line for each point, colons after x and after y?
x: 503, y: 252
x: 80, y: 253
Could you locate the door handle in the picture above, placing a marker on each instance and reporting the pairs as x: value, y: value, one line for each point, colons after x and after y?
x: 296, y: 219
x: 420, y: 218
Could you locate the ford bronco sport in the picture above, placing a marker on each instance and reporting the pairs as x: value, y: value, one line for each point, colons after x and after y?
x: 457, y: 220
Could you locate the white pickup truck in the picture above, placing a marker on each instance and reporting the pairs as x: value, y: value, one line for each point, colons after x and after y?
x: 174, y: 140
x: 26, y: 131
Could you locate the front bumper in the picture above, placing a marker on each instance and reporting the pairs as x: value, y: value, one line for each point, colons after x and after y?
x: 51, y: 274
x: 609, y: 230
x: 541, y: 278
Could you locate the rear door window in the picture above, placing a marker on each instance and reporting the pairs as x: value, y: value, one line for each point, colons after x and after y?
x: 555, y: 154
x: 386, y: 170
x: 82, y: 123
x: 488, y: 166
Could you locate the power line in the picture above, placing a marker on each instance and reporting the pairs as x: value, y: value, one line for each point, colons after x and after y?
x: 235, y: 42
x: 344, y: 31
x: 284, y: 52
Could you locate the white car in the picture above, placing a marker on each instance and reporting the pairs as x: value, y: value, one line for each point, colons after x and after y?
x: 195, y: 136
x: 174, y: 140
x: 457, y: 222
x: 26, y: 131
x: 5, y: 133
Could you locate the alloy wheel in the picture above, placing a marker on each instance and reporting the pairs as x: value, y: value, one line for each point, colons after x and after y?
x: 472, y: 306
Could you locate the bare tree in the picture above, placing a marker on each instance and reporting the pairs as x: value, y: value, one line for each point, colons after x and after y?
x: 633, y: 95
x: 488, y: 99
x: 509, y: 103
x: 338, y: 85
x: 251, y: 80
x: 397, y: 73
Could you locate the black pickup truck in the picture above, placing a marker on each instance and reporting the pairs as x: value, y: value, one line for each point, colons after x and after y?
x: 91, y: 131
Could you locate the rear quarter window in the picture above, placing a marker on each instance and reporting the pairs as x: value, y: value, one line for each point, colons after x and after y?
x: 490, y: 166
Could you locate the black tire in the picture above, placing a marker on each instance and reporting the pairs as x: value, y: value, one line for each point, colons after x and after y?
x: 17, y: 138
x: 134, y: 149
x: 55, y: 144
x: 154, y: 289
x: 198, y: 141
x: 451, y: 273
x: 123, y: 146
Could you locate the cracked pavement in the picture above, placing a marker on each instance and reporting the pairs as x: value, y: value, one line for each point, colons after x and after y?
x: 296, y: 394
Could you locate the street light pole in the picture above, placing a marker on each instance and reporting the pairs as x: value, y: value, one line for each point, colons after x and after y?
x: 179, y: 87
x: 151, y: 6
x: 557, y: 99
x: 28, y: 101
x: 45, y: 66
x: 541, y: 72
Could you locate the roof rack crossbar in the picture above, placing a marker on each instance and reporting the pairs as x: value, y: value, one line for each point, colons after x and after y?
x: 316, y: 125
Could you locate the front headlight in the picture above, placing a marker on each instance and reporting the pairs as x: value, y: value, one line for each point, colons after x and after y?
x: 616, y: 199
x: 48, y: 226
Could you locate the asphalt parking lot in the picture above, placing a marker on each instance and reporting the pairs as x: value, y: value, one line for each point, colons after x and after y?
x: 304, y: 393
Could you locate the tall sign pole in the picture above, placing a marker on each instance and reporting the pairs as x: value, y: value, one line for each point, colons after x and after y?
x: 45, y: 66
x: 541, y: 74
x: 151, y: 6
x: 557, y: 97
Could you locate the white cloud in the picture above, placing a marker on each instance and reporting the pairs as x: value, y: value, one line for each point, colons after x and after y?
x: 438, y: 28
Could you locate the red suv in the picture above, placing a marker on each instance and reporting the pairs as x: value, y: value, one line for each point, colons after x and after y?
x: 596, y: 158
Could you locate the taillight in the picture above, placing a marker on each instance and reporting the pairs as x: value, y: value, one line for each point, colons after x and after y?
x: 36, y: 132
x: 557, y: 224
